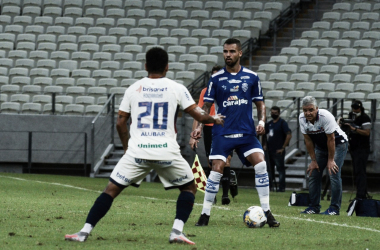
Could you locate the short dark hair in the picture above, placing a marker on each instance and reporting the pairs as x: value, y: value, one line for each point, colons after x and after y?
x: 156, y: 60
x: 357, y: 104
x: 276, y: 108
x: 233, y: 41
x: 216, y: 68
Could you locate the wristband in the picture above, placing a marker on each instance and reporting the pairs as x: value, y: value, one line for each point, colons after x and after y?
x: 261, y: 123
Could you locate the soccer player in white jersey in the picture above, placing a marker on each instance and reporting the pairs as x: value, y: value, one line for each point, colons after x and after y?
x: 327, y: 146
x: 152, y: 104
x: 233, y: 89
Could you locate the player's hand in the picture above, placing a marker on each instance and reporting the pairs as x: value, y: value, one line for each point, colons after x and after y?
x: 197, y: 133
x: 260, y: 130
x: 280, y: 151
x: 219, y: 119
x: 332, y: 167
x: 313, y: 165
x: 193, y: 143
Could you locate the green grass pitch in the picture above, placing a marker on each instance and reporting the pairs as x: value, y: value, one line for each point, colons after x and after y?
x: 38, y: 210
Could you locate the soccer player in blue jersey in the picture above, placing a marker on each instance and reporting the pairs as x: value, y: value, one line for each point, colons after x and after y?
x: 233, y: 89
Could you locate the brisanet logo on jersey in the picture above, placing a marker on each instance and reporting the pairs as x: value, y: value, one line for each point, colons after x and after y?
x: 165, y: 145
x: 149, y: 89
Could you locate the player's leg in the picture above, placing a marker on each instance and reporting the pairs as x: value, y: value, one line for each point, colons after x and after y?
x: 336, y: 180
x: 212, y: 188
x: 178, y: 174
x: 100, y: 208
x: 262, y: 185
x: 185, y: 204
x: 226, y: 181
x: 280, y: 164
x: 251, y: 153
x: 125, y: 173
x: 315, y: 182
x: 221, y: 147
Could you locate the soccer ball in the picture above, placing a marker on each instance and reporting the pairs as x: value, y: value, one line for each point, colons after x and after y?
x: 254, y: 217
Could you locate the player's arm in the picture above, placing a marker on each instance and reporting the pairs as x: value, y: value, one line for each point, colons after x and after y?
x: 202, y: 116
x: 122, y: 128
x: 260, y: 128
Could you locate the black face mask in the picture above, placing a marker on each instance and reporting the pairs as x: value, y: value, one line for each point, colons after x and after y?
x: 274, y: 116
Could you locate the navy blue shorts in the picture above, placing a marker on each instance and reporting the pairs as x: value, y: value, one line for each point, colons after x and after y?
x: 222, y: 146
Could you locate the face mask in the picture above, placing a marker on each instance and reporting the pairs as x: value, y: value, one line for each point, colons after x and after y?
x: 274, y: 117
x: 357, y: 114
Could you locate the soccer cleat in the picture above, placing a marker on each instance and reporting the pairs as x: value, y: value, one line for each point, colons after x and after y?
x: 179, y: 238
x: 203, y: 220
x: 81, y: 237
x: 271, y: 221
x: 233, y: 184
x: 225, y: 200
x: 310, y: 210
x: 330, y: 211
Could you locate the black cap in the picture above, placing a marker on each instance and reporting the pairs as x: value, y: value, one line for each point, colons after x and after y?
x: 356, y: 104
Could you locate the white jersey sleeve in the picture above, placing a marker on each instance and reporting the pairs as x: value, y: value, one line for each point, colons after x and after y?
x: 125, y: 104
x: 329, y: 123
x: 184, y: 98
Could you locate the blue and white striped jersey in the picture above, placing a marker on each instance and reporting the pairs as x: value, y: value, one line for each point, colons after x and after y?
x: 233, y: 94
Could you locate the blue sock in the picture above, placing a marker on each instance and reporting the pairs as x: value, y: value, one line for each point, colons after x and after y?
x: 99, y: 209
x: 185, y: 204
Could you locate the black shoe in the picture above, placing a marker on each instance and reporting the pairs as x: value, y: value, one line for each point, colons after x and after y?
x: 203, y: 220
x: 233, y: 184
x: 271, y: 221
x: 225, y: 200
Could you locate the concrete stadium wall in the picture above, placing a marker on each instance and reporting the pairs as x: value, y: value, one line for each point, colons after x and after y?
x: 55, y: 139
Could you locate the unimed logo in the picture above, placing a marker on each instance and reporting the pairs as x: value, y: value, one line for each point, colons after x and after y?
x: 165, y: 145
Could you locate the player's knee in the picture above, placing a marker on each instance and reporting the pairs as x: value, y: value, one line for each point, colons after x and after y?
x: 192, y: 188
x: 261, y: 167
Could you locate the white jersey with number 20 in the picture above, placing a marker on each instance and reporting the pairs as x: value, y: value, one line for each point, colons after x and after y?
x: 153, y: 105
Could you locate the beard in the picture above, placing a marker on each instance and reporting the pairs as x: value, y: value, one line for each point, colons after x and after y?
x: 231, y: 63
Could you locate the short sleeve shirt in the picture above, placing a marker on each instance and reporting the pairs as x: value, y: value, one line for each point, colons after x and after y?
x: 324, y: 124
x: 233, y: 94
x: 276, y: 132
x: 153, y: 105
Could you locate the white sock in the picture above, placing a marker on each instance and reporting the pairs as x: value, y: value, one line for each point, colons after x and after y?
x: 212, y: 188
x: 262, y: 184
x: 87, y: 228
x: 178, y: 225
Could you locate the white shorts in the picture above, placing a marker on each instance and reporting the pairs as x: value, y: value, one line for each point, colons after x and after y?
x: 132, y: 171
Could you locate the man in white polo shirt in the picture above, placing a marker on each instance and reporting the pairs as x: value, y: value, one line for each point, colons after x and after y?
x: 327, y: 146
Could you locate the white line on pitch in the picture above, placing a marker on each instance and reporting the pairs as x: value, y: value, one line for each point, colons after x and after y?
x: 224, y: 208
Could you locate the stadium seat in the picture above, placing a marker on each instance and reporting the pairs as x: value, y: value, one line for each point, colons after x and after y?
x: 65, y: 82
x: 86, y: 82
x: 364, y: 87
x: 157, y: 14
x: 64, y: 99
x: 286, y: 86
x: 97, y: 92
x: 309, y: 86
x: 317, y: 94
x: 126, y: 22
x: 20, y: 98
x: 186, y: 76
x: 21, y: 80
x: 325, y: 86
x: 75, y: 91
x: 310, y: 69
x: 74, y: 109
x: 93, y: 110
x: 42, y: 81
x: 345, y: 87
x: 10, y: 107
